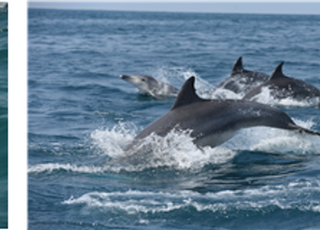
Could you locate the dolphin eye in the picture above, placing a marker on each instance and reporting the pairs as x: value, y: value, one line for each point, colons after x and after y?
x: 143, y: 79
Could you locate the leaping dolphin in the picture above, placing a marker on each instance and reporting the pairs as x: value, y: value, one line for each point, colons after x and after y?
x: 212, y: 122
x: 282, y: 86
x: 242, y: 80
x: 149, y: 85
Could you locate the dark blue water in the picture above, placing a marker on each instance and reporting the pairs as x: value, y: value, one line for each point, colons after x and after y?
x: 4, y: 117
x: 81, y: 115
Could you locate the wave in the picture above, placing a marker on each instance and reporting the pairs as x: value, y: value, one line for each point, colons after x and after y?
x: 50, y: 167
x: 301, y: 195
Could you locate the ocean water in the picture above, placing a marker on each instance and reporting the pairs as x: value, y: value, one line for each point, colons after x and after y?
x: 3, y: 117
x: 81, y: 116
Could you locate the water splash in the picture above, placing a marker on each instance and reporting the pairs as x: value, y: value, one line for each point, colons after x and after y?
x: 222, y: 93
x: 274, y: 140
x: 113, y: 140
x: 178, y: 75
x: 175, y: 150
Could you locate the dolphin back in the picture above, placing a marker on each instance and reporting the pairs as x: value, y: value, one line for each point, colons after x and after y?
x: 242, y: 81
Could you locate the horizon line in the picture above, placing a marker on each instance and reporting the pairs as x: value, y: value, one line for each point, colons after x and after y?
x: 296, y: 8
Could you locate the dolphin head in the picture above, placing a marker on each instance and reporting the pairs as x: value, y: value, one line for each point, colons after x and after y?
x: 144, y: 83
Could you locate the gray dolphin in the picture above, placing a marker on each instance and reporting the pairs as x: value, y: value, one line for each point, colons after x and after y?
x: 212, y: 122
x: 242, y: 80
x: 149, y: 85
x: 282, y: 86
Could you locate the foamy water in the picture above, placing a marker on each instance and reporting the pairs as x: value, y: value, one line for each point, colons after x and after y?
x: 267, y: 199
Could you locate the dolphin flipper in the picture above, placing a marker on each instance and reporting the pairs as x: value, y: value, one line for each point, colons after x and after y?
x: 154, y: 94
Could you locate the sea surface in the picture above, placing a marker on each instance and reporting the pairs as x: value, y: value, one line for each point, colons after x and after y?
x: 81, y: 116
x: 3, y: 117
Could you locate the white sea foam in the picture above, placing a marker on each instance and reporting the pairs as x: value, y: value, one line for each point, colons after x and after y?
x: 50, y: 167
x: 222, y: 93
x: 301, y: 194
x: 174, y: 150
x: 268, y: 139
x: 113, y: 140
x: 280, y: 141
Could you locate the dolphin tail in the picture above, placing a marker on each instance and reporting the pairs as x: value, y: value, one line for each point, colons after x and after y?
x: 304, y: 130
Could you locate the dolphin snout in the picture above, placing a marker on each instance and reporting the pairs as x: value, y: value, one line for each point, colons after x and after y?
x: 124, y: 76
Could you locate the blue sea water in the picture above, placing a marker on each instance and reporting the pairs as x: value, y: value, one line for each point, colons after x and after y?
x: 4, y: 117
x: 81, y: 116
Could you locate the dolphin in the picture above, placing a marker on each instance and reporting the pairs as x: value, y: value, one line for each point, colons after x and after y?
x: 242, y: 80
x: 212, y: 122
x: 150, y: 86
x: 282, y: 86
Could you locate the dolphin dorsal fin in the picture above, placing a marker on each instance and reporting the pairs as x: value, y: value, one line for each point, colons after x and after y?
x: 277, y: 73
x: 187, y: 94
x: 238, y: 67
